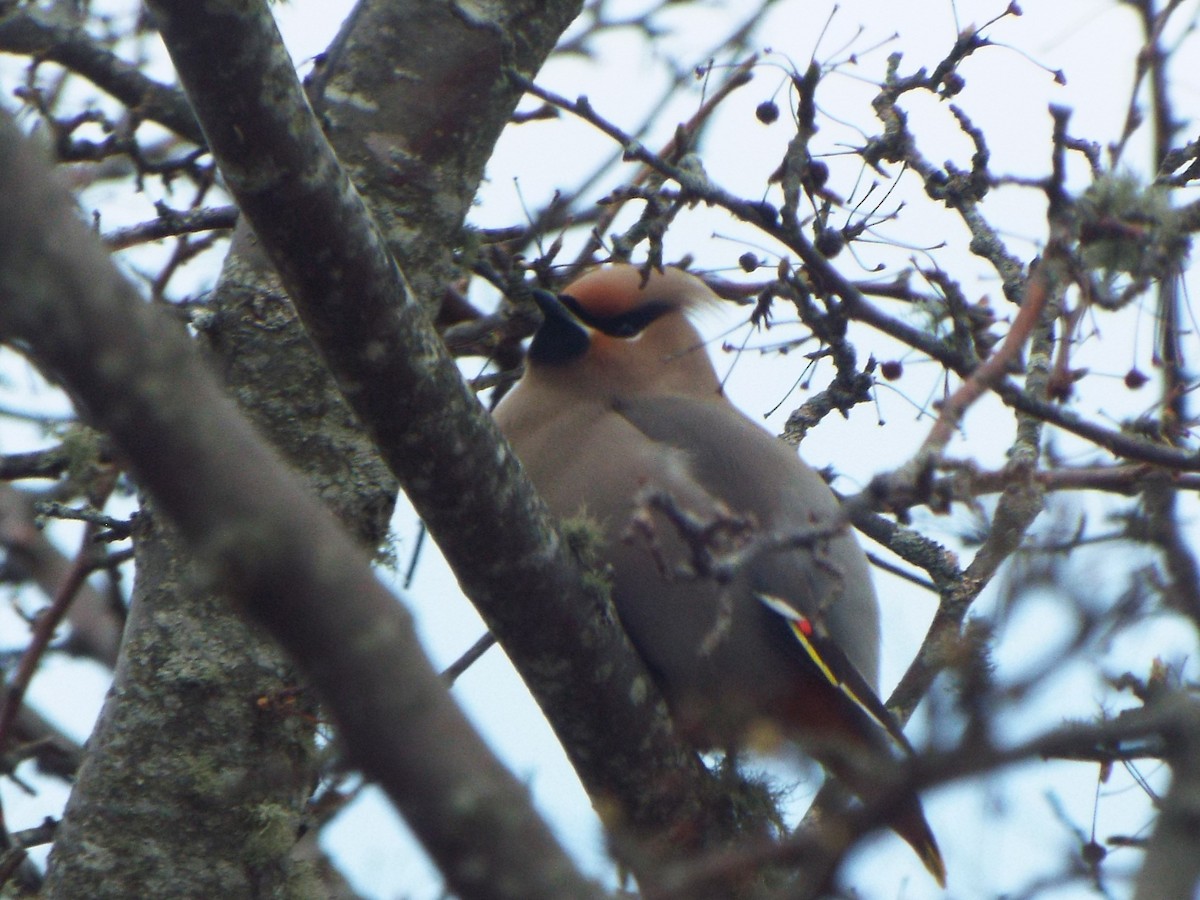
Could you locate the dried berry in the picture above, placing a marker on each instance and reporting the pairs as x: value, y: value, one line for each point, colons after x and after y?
x: 829, y: 242
x: 816, y: 175
x: 767, y: 111
x: 1135, y: 378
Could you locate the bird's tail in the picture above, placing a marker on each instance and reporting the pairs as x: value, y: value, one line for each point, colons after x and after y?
x: 909, y: 822
x: 863, y: 772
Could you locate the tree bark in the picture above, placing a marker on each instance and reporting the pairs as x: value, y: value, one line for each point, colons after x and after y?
x: 369, y: 325
x: 257, y: 535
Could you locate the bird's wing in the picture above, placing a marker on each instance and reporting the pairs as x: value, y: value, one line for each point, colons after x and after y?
x: 835, y: 667
x: 829, y: 584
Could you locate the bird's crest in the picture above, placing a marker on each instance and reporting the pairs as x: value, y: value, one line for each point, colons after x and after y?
x: 617, y: 290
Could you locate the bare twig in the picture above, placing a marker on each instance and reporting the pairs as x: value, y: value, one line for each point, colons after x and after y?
x: 452, y: 672
x: 43, y: 631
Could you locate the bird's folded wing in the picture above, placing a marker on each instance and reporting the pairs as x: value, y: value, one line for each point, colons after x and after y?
x: 836, y: 668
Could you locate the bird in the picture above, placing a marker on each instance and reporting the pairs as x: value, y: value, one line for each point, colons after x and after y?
x: 620, y: 417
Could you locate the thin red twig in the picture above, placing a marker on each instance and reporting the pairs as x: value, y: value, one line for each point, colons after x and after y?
x: 44, y: 626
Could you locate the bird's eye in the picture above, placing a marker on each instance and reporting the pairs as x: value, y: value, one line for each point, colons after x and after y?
x: 622, y: 325
x: 623, y: 329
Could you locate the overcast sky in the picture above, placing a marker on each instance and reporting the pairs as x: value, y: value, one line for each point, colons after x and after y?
x: 994, y: 839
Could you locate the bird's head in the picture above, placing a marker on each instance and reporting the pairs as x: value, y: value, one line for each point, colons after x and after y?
x: 610, y: 329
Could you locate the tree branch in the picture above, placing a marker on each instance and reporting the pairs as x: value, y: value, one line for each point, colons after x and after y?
x: 765, y: 217
x: 394, y: 370
x: 258, y: 534
x: 31, y: 30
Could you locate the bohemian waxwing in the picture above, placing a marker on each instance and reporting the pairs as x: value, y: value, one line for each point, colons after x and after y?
x: 620, y: 416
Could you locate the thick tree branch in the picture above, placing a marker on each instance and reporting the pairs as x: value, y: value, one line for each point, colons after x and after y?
x: 265, y: 541
x: 402, y: 383
x: 35, y: 31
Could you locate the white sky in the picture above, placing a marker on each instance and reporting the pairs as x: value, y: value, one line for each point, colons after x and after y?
x: 995, y: 838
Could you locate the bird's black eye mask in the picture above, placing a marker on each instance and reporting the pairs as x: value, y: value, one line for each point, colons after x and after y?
x: 562, y: 336
x: 623, y: 325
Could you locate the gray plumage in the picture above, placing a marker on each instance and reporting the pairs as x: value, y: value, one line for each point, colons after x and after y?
x: 619, y: 401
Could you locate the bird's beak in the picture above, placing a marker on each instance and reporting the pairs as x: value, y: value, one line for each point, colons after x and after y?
x: 552, y: 307
x: 561, y: 337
